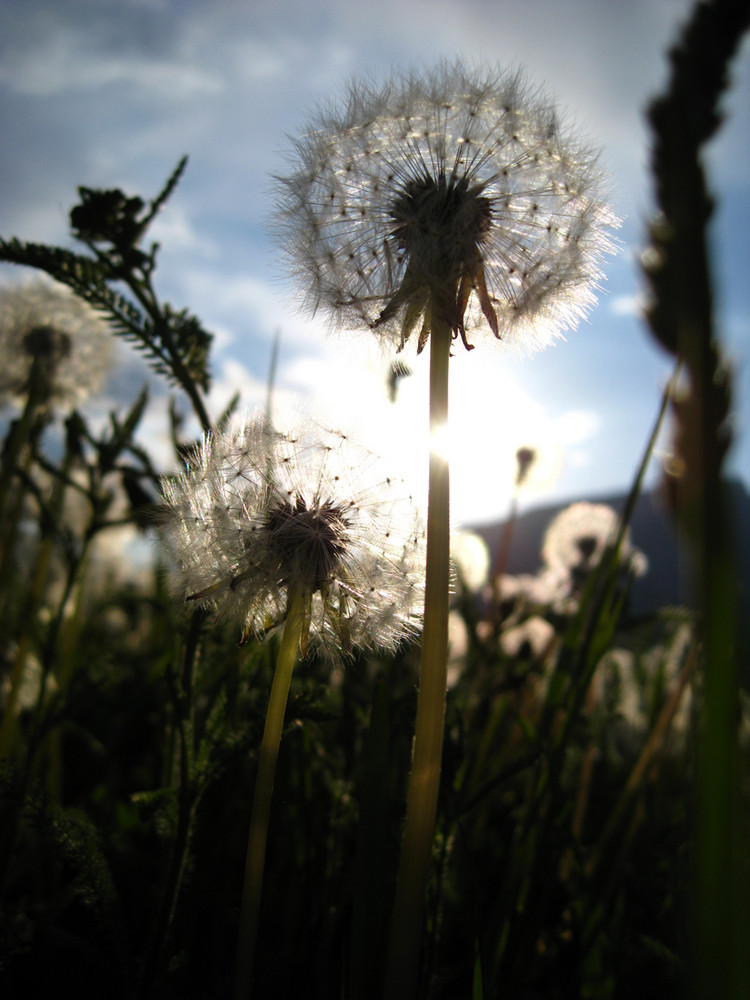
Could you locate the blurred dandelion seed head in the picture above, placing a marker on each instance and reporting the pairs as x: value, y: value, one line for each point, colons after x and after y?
x: 471, y: 559
x: 50, y: 334
x: 576, y: 539
x: 261, y: 514
x: 454, y: 195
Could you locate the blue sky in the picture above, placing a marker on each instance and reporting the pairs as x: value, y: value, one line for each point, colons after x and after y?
x: 109, y: 94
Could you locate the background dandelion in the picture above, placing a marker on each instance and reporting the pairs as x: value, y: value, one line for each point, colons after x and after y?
x: 55, y: 351
x: 49, y: 333
x: 577, y: 538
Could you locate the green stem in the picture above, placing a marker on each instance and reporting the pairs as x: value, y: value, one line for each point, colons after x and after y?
x: 18, y: 449
x: 256, y: 841
x: 21, y: 432
x: 69, y: 628
x: 422, y: 798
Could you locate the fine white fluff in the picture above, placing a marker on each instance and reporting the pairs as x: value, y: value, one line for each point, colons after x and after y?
x: 448, y: 177
x: 261, y: 514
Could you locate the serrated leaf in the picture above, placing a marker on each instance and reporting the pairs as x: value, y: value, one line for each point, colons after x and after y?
x: 166, y: 192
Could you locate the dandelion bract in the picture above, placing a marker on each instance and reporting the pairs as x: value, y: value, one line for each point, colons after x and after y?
x: 454, y: 194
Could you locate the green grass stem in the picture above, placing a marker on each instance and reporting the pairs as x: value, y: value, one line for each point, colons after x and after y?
x: 258, y: 835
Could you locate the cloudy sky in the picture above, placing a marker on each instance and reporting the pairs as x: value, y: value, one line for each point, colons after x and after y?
x: 110, y: 93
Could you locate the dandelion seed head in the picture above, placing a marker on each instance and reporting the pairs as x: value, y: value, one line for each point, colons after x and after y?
x: 459, y: 642
x: 50, y: 335
x: 261, y: 514
x: 471, y: 558
x: 576, y: 539
x: 454, y: 194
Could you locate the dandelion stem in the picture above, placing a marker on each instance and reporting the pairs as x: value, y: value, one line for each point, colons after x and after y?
x: 17, y: 451
x: 256, y: 842
x: 421, y: 808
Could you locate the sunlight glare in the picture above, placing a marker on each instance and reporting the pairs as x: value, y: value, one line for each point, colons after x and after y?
x: 490, y: 419
x: 442, y: 441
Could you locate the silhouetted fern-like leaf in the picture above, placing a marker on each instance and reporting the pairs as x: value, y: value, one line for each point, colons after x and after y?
x: 86, y: 277
x: 191, y: 343
x: 166, y: 192
x: 180, y: 338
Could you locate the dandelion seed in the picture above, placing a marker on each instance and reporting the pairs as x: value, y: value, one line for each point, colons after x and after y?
x: 261, y: 515
x: 52, y: 343
x: 454, y: 195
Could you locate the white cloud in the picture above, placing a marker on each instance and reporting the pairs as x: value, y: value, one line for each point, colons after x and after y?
x: 232, y: 378
x: 245, y: 306
x: 627, y: 305
x: 65, y: 62
x: 175, y: 229
x: 577, y: 426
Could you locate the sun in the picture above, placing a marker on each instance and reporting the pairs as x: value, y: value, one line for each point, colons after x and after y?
x: 491, y: 417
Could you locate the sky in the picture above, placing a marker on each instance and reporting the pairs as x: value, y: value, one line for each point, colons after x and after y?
x: 111, y: 93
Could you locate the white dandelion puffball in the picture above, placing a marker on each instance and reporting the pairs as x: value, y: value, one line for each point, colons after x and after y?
x: 576, y: 539
x: 54, y: 339
x: 471, y: 558
x: 261, y: 515
x: 453, y: 195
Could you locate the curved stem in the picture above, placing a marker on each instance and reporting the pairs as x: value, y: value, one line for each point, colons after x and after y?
x: 256, y: 841
x: 424, y: 784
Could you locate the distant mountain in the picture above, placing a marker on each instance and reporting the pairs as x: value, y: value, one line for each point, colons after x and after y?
x: 653, y: 531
